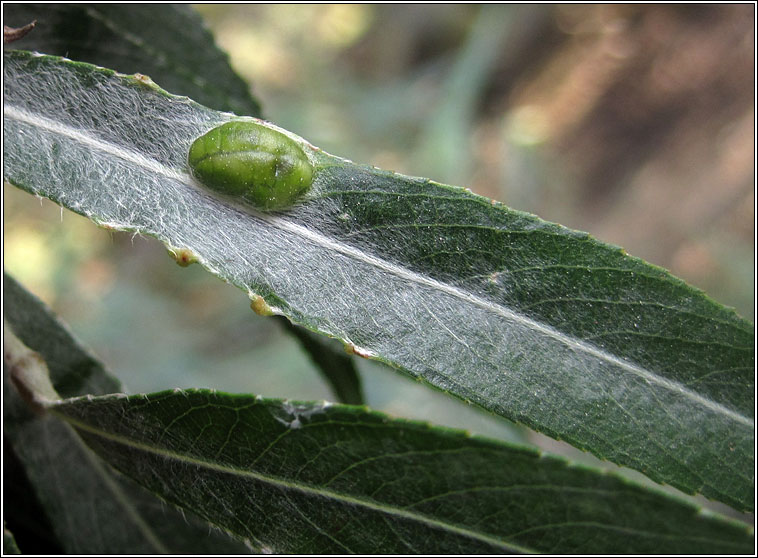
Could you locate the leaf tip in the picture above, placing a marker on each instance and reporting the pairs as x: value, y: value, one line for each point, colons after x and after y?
x: 11, y: 34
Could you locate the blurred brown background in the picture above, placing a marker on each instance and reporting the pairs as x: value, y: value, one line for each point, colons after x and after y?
x: 635, y: 123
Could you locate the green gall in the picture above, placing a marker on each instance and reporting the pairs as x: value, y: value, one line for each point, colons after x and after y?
x: 251, y: 163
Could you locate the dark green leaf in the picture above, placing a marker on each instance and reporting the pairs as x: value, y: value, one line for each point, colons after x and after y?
x: 337, y: 368
x: 168, y: 42
x: 91, y: 509
x: 307, y: 478
x: 73, y: 370
x: 535, y: 322
x: 24, y: 514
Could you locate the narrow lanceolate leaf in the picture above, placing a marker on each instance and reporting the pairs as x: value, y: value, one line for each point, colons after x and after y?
x: 168, y: 42
x: 540, y: 324
x: 91, y: 509
x: 312, y: 478
x: 334, y: 365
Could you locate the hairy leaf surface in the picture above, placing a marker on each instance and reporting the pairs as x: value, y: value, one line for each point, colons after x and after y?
x: 532, y: 321
x: 313, y: 478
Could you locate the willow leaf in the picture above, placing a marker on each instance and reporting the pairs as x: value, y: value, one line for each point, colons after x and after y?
x: 91, y: 509
x: 532, y: 321
x: 168, y: 42
x: 334, y: 365
x: 312, y: 478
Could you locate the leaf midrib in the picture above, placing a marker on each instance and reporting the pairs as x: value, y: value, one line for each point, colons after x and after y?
x: 351, y: 500
x: 288, y: 484
x: 286, y: 225
x: 118, y: 494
